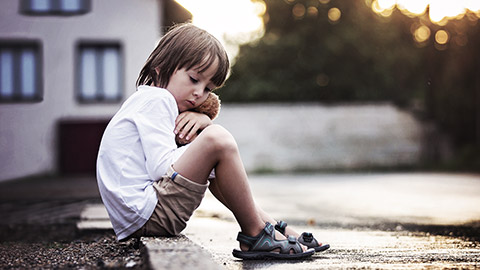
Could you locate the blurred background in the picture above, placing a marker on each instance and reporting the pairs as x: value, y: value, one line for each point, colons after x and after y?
x: 315, y: 85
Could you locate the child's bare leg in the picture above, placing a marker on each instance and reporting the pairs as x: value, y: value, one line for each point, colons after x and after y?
x: 264, y: 215
x: 216, y: 148
x: 218, y: 194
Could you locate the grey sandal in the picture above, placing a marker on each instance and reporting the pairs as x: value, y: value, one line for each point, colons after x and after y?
x: 305, y: 238
x: 263, y: 245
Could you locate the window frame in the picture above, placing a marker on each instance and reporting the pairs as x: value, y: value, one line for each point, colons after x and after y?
x: 17, y: 46
x: 25, y: 8
x: 99, y: 96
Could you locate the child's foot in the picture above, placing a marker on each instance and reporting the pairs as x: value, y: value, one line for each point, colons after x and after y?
x: 266, y: 246
x: 278, y: 236
x: 305, y: 238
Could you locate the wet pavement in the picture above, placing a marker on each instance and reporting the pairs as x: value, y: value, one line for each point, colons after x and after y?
x: 390, y: 221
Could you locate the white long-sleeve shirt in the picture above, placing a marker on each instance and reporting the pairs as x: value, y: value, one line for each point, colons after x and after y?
x: 136, y: 149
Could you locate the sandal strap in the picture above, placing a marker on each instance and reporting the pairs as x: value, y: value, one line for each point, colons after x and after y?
x: 250, y: 240
x: 266, y: 242
x: 247, y: 240
x: 308, y: 240
x: 280, y: 226
x: 305, y: 238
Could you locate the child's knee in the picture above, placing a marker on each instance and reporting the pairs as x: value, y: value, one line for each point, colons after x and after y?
x: 219, y: 138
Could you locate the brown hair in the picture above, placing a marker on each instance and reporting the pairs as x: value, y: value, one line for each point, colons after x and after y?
x: 184, y: 46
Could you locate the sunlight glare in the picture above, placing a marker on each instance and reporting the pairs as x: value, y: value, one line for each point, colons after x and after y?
x: 473, y: 5
x: 386, y: 4
x: 233, y: 22
x: 412, y: 8
x: 440, y: 11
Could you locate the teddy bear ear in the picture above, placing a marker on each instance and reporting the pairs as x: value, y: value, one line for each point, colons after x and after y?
x: 217, y: 104
x: 210, y: 107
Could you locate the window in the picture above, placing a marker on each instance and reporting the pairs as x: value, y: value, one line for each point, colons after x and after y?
x: 20, y: 72
x: 99, y: 72
x: 55, y: 7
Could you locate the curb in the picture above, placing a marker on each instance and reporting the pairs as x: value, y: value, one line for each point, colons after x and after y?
x: 177, y: 252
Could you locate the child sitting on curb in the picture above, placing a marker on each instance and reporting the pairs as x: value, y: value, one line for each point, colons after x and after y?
x: 150, y: 187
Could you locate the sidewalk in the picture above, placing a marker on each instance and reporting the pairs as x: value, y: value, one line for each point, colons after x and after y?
x: 370, y: 220
x: 57, y: 208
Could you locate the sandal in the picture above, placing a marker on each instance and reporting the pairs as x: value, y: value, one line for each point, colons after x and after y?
x: 263, y: 245
x: 305, y: 238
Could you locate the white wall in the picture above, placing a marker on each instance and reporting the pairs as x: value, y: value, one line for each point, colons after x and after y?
x: 316, y: 137
x: 27, y: 130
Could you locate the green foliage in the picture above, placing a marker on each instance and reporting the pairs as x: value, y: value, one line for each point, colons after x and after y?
x: 364, y: 57
x: 312, y: 59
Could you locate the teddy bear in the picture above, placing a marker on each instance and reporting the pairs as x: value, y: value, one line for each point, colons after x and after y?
x: 210, y: 107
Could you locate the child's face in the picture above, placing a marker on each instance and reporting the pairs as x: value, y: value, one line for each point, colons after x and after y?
x: 191, y: 88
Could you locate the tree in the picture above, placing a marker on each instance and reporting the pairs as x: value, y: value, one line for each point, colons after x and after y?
x: 306, y: 56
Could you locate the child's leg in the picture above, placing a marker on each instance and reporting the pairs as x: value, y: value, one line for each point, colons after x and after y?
x: 218, y: 194
x: 216, y: 148
x: 264, y: 215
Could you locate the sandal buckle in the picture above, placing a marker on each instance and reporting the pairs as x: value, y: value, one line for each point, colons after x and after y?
x: 268, y: 228
x: 307, y: 237
x: 280, y: 226
x: 292, y: 239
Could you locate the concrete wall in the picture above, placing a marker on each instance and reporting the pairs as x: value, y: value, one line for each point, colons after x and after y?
x: 28, y: 130
x: 316, y: 137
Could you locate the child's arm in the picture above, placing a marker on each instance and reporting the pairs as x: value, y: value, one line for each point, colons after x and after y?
x: 189, y: 123
x: 210, y: 107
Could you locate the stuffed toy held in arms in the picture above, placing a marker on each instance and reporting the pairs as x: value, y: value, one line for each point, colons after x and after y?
x: 210, y: 107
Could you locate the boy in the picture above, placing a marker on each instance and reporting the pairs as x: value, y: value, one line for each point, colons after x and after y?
x: 148, y: 185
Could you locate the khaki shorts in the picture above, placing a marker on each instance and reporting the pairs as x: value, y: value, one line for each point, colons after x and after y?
x: 177, y: 197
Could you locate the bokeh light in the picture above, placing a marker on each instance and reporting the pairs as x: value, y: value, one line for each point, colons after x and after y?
x: 440, y: 11
x: 298, y: 11
x: 422, y: 34
x: 233, y: 22
x: 312, y: 11
x: 322, y: 79
x: 441, y: 37
x: 413, y: 8
x: 461, y: 40
x: 334, y: 14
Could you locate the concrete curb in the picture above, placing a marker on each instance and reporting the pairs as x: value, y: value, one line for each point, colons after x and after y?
x: 159, y: 252
x: 175, y: 253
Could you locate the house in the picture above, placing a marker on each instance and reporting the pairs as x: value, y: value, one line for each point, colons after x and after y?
x: 65, y: 68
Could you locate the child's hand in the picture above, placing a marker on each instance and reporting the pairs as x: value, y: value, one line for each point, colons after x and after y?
x: 188, y: 124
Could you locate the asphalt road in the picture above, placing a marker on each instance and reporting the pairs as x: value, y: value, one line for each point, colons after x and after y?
x: 400, y: 221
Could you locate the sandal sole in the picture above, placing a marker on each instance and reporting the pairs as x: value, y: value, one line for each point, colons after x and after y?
x: 322, y: 248
x: 262, y: 255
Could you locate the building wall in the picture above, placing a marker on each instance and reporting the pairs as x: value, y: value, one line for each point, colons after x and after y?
x: 309, y: 137
x: 28, y: 131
